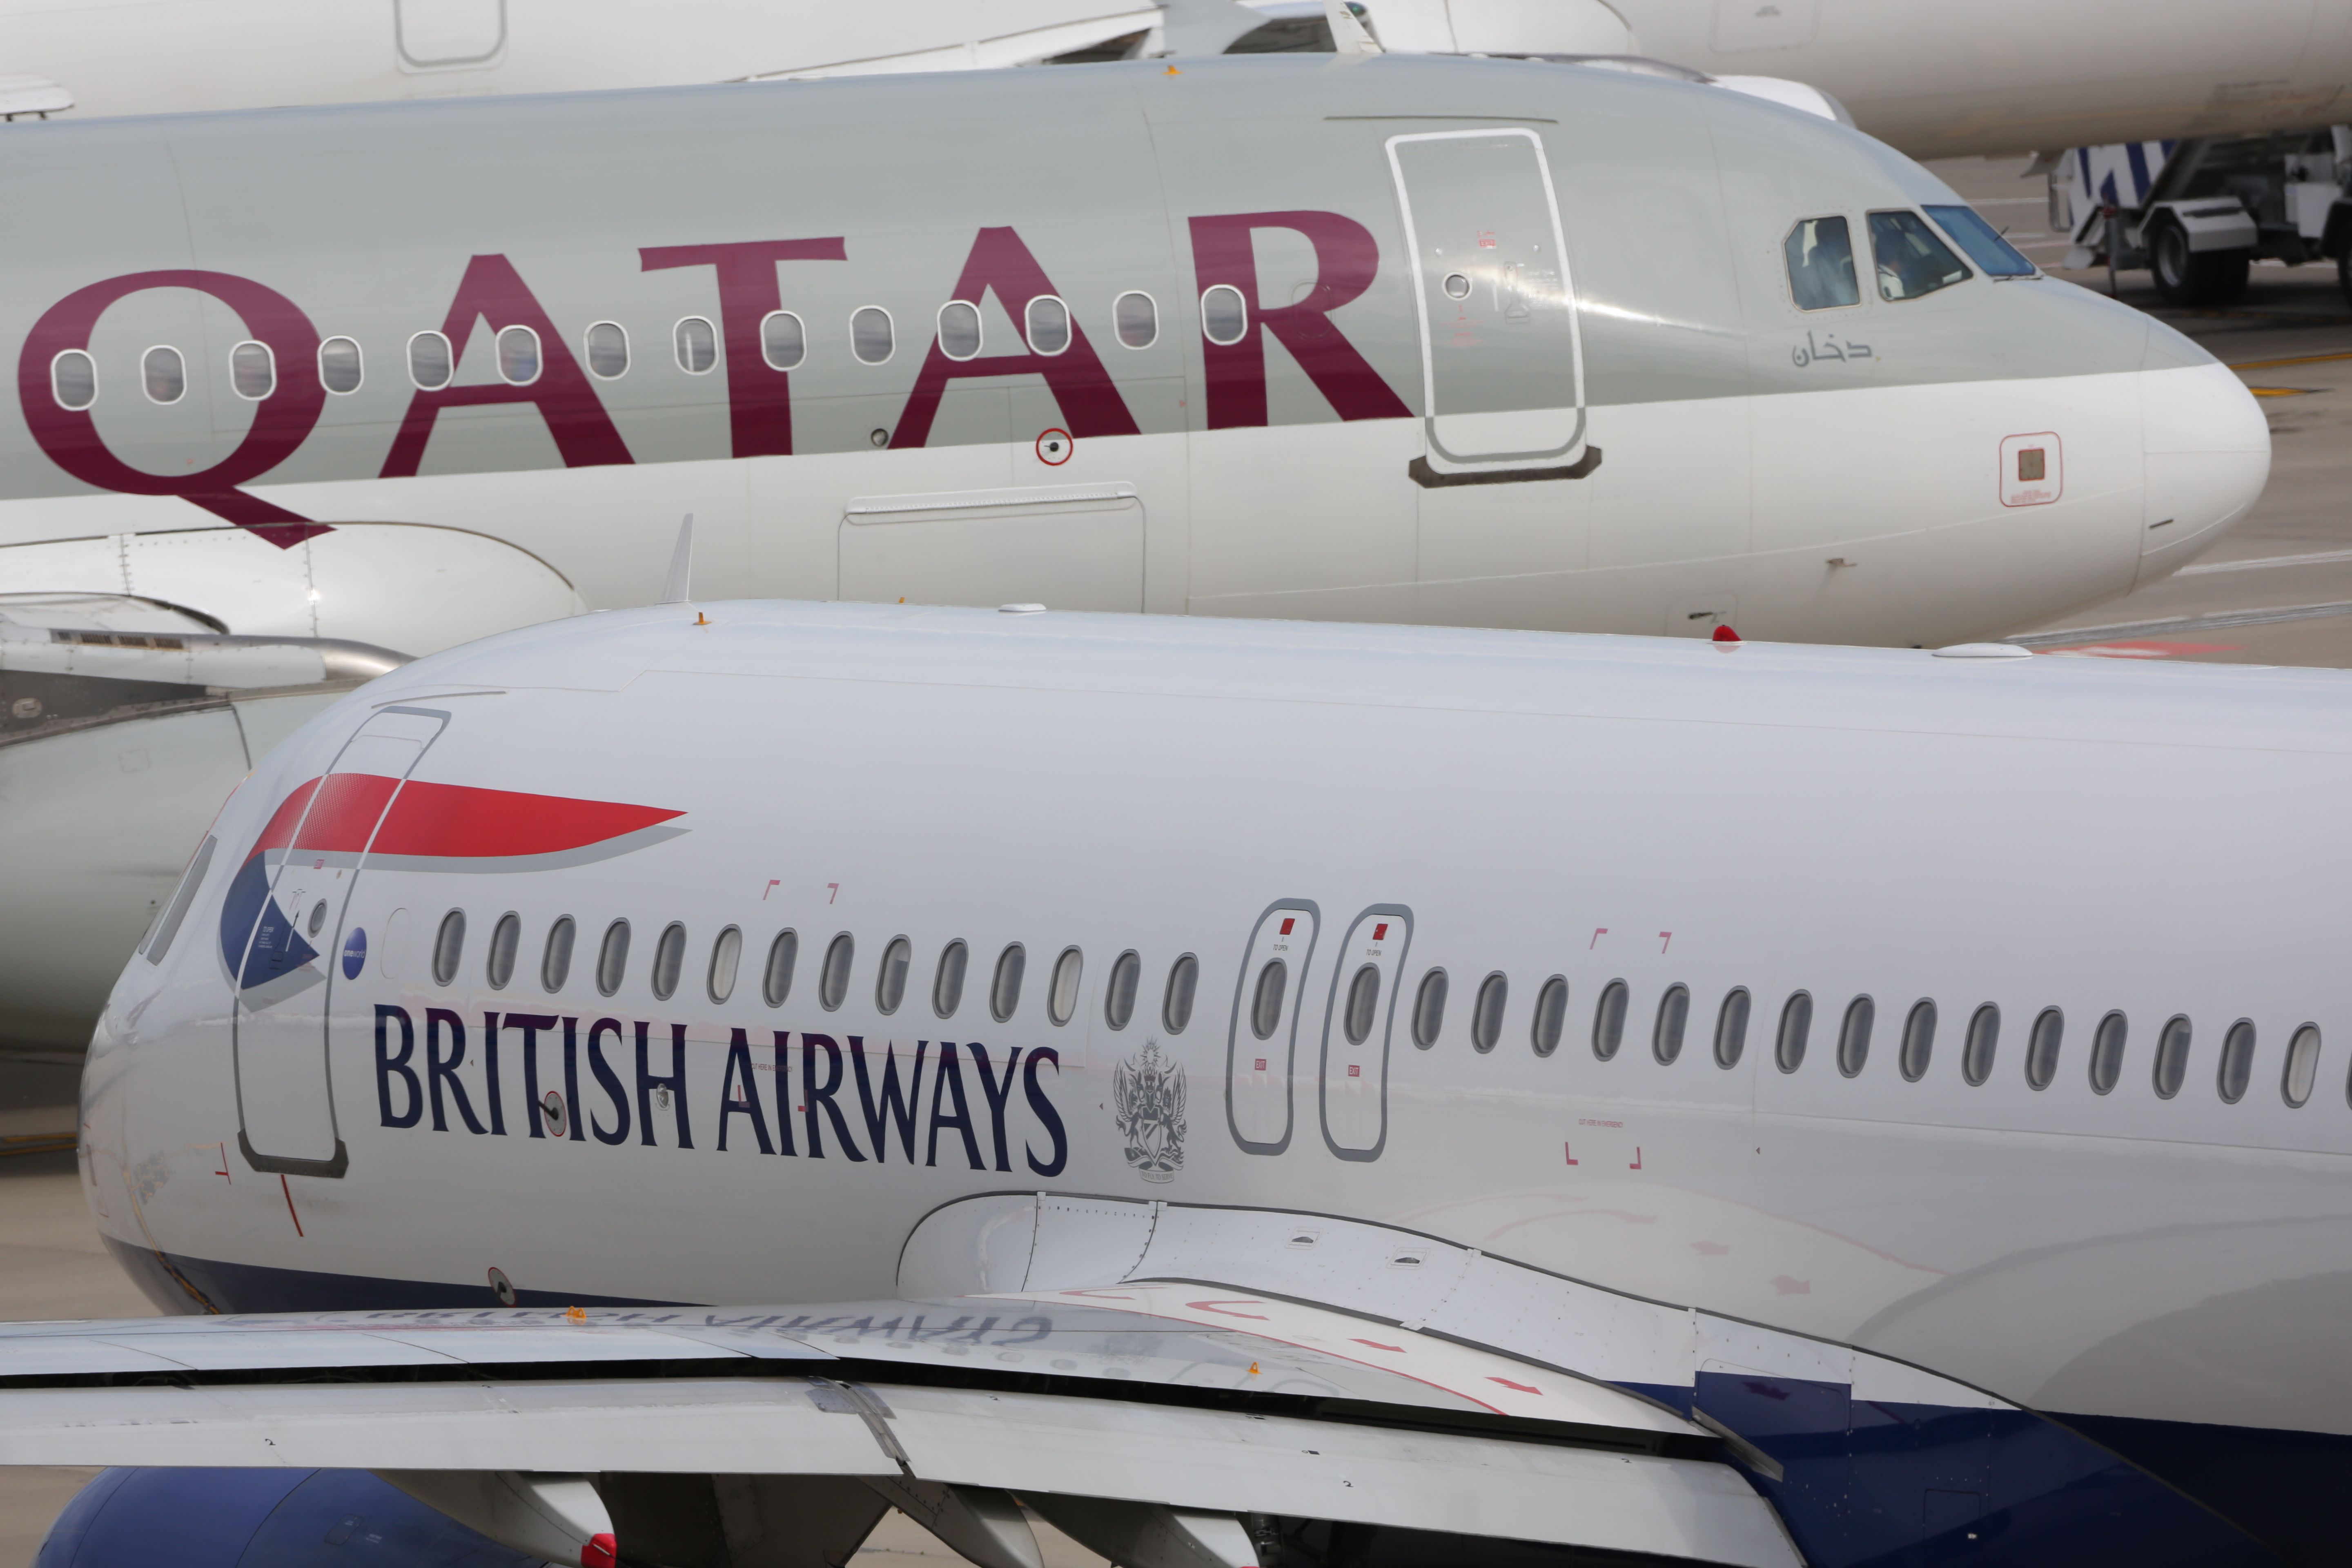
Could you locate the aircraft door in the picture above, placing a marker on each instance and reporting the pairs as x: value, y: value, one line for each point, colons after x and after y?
x: 1357, y: 1025
x: 294, y: 947
x: 1502, y: 361
x: 1262, y: 1041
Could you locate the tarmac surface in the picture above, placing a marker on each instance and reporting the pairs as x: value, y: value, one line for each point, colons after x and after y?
x: 2278, y: 589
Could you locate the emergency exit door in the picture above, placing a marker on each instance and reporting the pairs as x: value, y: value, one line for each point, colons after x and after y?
x: 1262, y: 1041
x: 292, y: 949
x: 1357, y: 1025
x: 1502, y: 360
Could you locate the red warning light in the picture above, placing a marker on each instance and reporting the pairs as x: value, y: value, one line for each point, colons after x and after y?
x: 1725, y: 633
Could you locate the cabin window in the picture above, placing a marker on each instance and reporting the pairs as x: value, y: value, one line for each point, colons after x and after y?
x: 890, y: 980
x: 608, y: 351
x: 2172, y: 1057
x: 1183, y: 982
x: 1137, y: 318
x: 176, y: 911
x: 2301, y: 1072
x: 2041, y: 1047
x: 776, y: 978
x: 73, y: 380
x: 613, y: 957
x: 1911, y: 260
x: 832, y: 974
x: 1062, y: 996
x: 1363, y: 1002
x: 1429, y: 1009
x: 341, y: 368
x: 1820, y: 254
x: 555, y: 962
x: 2237, y: 1068
x: 1119, y: 996
x: 1796, y: 1026
x: 1486, y: 1013
x: 1918, y: 1041
x: 1853, y: 1036
x: 1609, y: 1020
x: 783, y: 341
x: 696, y: 342
x: 1004, y: 990
x: 872, y: 337
x: 430, y: 362
x: 252, y: 371
x: 1731, y: 1028
x: 1994, y: 256
x: 1265, y: 998
x: 164, y: 375
x: 947, y: 985
x: 505, y: 938
x: 1551, y: 1017
x: 1984, y: 1039
x: 726, y: 953
x: 517, y: 355
x: 1047, y: 321
x: 448, y: 947
x: 1225, y: 315
x: 1666, y: 1032
x: 959, y: 330
x: 669, y: 960
x: 2107, y: 1043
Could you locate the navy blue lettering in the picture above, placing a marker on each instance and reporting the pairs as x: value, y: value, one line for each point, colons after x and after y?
x: 438, y: 1070
x: 674, y: 1083
x: 815, y: 1096
x: 531, y: 1024
x: 997, y: 1094
x: 949, y: 1081
x: 386, y: 1066
x: 609, y: 1080
x: 739, y: 1073
x: 1045, y: 1113
x: 895, y: 1106
x: 783, y: 1096
x: 571, y: 1116
x: 491, y: 1073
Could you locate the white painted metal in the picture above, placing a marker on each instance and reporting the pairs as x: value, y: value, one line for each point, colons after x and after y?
x: 553, y: 1518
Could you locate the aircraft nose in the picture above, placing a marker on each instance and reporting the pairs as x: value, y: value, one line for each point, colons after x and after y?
x: 2206, y: 448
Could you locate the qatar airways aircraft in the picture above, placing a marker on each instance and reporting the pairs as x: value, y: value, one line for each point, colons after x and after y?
x: 1257, y: 1092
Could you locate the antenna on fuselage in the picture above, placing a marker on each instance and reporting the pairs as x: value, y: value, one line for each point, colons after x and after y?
x: 681, y: 564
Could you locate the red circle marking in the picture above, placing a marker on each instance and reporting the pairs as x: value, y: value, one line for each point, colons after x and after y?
x: 1068, y: 445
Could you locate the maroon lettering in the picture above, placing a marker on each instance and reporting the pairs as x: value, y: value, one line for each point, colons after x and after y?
x: 759, y: 395
x: 1346, y: 258
x: 492, y: 291
x: 281, y: 422
x: 1082, y: 389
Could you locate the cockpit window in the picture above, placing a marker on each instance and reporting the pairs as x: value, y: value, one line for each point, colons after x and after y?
x: 1821, y: 264
x: 1994, y: 256
x: 1911, y: 260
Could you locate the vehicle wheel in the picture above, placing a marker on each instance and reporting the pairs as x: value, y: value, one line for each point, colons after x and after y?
x: 2186, y: 276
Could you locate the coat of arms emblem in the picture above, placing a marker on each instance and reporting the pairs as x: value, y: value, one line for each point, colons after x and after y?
x: 1148, y: 1101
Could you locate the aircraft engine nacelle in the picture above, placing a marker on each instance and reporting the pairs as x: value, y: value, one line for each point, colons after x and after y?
x: 282, y: 1518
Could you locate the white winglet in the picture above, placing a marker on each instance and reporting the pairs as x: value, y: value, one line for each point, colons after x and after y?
x: 1348, y: 35
x: 681, y: 564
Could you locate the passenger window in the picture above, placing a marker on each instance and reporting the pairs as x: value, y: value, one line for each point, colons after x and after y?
x: 505, y: 938
x: 2107, y: 1052
x: 252, y: 371
x: 1119, y: 996
x: 1994, y: 256
x: 890, y: 980
x: 341, y: 369
x: 1551, y: 1017
x: 959, y: 330
x: 1265, y: 998
x: 1138, y: 316
x: 871, y: 337
x: 1062, y: 996
x: 1429, y: 1009
x: 1364, y: 1000
x: 164, y: 374
x: 726, y: 953
x: 1609, y: 1020
x: 430, y: 361
x: 2237, y: 1062
x: 947, y: 985
x: 2172, y: 1057
x: 696, y: 342
x: 833, y: 975
x: 1820, y: 254
x: 448, y: 947
x: 1004, y: 991
x: 555, y: 962
x: 1796, y: 1024
x: 1666, y: 1032
x: 1854, y: 1035
x: 1911, y: 260
x: 1487, y: 1015
x: 613, y: 957
x: 2041, y: 1047
x: 776, y: 978
x: 783, y: 342
x: 517, y: 355
x: 1731, y: 1028
x: 1984, y: 1039
x: 2302, y: 1066
x: 1047, y: 320
x: 1176, y: 1006
x: 73, y: 380
x: 1225, y: 315
x: 608, y: 351
x: 1918, y: 1041
x: 669, y: 960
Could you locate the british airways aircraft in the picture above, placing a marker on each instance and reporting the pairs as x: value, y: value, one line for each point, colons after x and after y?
x: 672, y: 1083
